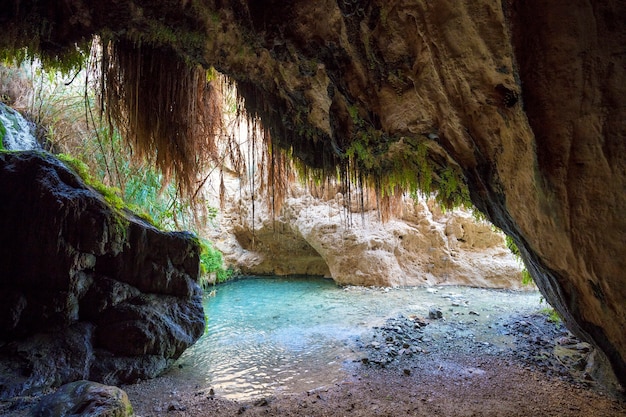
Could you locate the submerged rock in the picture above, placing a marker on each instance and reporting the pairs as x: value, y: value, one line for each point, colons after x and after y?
x: 435, y: 313
x: 86, y: 292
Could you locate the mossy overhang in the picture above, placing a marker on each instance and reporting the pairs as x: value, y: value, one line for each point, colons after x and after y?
x: 520, y: 101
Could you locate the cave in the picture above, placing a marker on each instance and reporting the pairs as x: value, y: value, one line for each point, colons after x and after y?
x: 514, y: 106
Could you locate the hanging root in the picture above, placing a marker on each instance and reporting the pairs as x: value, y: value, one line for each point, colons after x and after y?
x: 166, y: 108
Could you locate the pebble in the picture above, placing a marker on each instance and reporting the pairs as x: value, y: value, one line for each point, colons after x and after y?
x: 175, y: 406
x: 535, y: 339
x: 435, y: 313
x: 261, y: 402
x: 400, y: 335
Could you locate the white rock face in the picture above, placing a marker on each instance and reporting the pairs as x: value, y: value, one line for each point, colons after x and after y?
x: 320, y: 237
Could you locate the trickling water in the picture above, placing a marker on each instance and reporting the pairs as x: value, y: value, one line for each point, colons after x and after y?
x: 16, y: 132
x: 296, y: 334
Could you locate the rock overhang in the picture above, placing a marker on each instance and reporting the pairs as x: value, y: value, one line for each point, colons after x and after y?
x: 521, y: 100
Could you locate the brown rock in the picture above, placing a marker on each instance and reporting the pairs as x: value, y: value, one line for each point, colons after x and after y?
x: 525, y: 98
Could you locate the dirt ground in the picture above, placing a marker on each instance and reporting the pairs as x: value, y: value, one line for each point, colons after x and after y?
x: 522, y: 365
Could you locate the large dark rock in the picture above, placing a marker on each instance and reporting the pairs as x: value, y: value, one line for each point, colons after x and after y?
x: 86, y: 292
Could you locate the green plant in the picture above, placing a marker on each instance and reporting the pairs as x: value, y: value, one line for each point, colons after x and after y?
x: 212, y: 269
x: 59, y: 105
x: 527, y: 279
x: 68, y: 61
x: 112, y: 195
x: 3, y: 132
x: 552, y: 315
x: 512, y: 246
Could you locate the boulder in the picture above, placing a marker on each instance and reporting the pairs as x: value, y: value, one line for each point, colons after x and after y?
x: 87, y: 291
x: 85, y: 399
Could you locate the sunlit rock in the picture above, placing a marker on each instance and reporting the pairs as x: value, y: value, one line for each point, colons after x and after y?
x: 314, y: 236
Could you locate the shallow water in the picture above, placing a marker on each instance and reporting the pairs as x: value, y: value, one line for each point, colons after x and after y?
x: 296, y: 334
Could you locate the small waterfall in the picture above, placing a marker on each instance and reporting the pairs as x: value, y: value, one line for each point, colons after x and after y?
x: 16, y: 132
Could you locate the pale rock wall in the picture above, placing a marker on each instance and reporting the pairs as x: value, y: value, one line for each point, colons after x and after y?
x: 312, y: 236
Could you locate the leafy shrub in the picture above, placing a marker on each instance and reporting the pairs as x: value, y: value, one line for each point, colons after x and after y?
x: 212, y: 268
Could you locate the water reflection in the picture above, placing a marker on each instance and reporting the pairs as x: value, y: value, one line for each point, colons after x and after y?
x: 296, y: 334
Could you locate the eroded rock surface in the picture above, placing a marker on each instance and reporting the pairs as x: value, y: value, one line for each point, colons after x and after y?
x: 320, y: 236
x: 86, y: 292
x: 524, y: 98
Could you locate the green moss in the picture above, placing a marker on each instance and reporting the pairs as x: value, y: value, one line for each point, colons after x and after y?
x: 512, y: 246
x: 76, y: 165
x: 66, y: 61
x: 425, y: 169
x: 391, y: 164
x: 552, y: 315
x: 360, y: 154
x: 112, y: 195
x: 354, y: 115
x: 527, y: 279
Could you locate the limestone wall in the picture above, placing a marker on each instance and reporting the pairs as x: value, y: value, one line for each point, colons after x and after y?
x: 316, y: 236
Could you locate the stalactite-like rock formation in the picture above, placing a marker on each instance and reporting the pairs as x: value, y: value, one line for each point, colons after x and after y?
x: 523, y: 101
